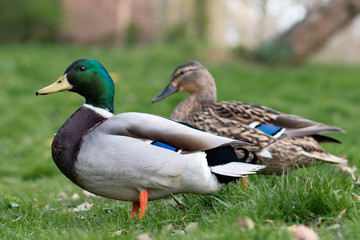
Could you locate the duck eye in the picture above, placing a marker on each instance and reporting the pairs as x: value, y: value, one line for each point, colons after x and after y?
x: 82, y: 68
x: 181, y: 72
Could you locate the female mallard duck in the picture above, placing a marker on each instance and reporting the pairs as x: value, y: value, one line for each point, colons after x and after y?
x: 136, y: 156
x: 280, y: 140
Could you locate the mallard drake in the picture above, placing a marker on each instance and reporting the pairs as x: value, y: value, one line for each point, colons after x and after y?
x: 281, y: 141
x: 136, y: 156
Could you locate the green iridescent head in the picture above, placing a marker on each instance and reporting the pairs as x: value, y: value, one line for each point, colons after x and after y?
x: 88, y: 78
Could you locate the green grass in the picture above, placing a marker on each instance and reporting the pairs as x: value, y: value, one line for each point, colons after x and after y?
x: 36, y: 198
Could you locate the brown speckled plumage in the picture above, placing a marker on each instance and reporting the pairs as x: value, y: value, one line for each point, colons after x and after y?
x: 298, y: 144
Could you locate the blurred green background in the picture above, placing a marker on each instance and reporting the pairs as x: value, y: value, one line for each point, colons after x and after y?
x: 36, y: 46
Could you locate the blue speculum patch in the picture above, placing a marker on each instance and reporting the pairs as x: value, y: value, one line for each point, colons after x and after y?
x: 269, y: 129
x: 164, y: 145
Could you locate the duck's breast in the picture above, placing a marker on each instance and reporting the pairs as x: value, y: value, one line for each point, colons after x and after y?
x: 68, y: 140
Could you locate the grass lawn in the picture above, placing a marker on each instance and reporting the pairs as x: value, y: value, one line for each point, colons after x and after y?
x: 38, y: 202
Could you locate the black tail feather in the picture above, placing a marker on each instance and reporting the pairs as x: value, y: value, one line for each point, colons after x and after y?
x: 221, y: 155
x: 224, y: 155
x: 322, y: 138
x: 245, y: 158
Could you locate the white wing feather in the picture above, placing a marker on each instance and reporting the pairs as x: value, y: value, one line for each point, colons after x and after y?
x: 236, y: 169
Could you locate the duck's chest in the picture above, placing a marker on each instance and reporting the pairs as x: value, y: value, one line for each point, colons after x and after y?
x: 68, y: 140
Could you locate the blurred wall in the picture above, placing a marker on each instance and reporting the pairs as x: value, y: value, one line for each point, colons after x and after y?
x: 109, y: 21
x: 226, y: 23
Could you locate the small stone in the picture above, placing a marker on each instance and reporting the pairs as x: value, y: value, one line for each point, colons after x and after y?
x: 335, y: 226
x: 117, y: 233
x: 167, y: 228
x: 63, y: 195
x: 304, y: 233
x: 191, y: 226
x: 180, y: 232
x: 14, y: 205
x: 245, y: 222
x: 75, y: 196
x: 144, y: 236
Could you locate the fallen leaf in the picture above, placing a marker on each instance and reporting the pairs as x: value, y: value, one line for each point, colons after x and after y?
x: 357, y: 196
x: 317, y: 222
x: 180, y: 232
x: 144, y: 236
x: 335, y: 226
x: 303, y: 233
x: 17, y: 219
x: 191, y: 226
x: 342, y: 213
x: 83, y: 207
x: 269, y: 221
x: 117, y: 233
x: 346, y: 169
x: 245, y: 222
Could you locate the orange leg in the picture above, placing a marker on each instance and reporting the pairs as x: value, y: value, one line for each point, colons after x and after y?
x: 135, y: 209
x: 244, y: 181
x: 143, y: 197
x: 142, y: 205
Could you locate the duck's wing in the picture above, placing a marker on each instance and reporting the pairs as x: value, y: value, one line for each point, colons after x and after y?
x: 209, y: 121
x: 155, y: 128
x: 256, y: 116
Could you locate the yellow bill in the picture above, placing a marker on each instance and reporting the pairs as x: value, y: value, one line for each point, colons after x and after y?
x: 61, y: 84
